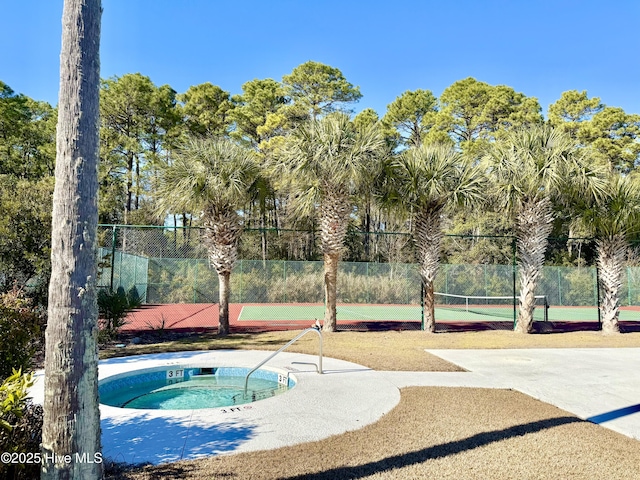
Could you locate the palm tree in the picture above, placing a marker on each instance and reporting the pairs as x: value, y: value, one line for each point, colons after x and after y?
x: 612, y: 218
x: 71, y: 413
x: 529, y: 170
x: 213, y: 179
x: 425, y: 182
x: 323, y: 164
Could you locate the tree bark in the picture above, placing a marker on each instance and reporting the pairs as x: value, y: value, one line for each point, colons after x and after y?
x: 334, y: 218
x: 611, y: 252
x: 331, y: 261
x: 71, y: 415
x: 224, y: 293
x: 534, y: 225
x: 427, y: 236
x: 429, y: 307
x: 221, y: 236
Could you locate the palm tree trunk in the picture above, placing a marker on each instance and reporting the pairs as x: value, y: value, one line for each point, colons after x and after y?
x: 429, y: 307
x: 334, y: 218
x: 534, y: 225
x: 611, y: 252
x: 71, y: 425
x: 221, y: 236
x: 330, y: 291
x: 224, y: 293
x: 427, y: 236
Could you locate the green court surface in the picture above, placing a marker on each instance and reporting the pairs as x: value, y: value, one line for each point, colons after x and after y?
x: 586, y: 314
x: 271, y: 312
x: 372, y: 313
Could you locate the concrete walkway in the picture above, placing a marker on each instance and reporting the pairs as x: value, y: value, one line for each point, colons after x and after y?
x: 601, y: 385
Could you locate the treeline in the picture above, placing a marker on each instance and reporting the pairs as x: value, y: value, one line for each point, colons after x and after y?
x: 143, y: 125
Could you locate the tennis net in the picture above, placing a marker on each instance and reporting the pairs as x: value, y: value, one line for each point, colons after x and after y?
x: 473, y: 307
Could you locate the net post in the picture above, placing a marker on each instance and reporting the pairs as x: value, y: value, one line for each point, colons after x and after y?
x: 546, y: 308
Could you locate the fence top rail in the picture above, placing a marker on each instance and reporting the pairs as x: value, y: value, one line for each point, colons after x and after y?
x: 271, y: 229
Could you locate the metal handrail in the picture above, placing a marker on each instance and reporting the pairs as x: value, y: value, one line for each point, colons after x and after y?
x: 300, y: 335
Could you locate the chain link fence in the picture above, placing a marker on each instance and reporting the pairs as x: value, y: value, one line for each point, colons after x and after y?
x: 168, y: 265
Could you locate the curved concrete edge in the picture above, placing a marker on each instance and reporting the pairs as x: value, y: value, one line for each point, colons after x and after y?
x: 346, y: 397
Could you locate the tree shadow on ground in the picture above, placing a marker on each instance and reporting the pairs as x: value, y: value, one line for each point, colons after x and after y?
x: 434, y: 452
x: 154, y: 439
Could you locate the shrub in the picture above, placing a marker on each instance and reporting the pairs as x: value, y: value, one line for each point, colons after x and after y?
x: 113, y: 308
x: 21, y: 332
x: 20, y: 425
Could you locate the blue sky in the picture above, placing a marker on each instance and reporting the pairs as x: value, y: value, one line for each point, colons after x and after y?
x: 539, y: 47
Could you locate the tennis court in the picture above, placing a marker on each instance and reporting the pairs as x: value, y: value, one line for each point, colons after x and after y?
x: 262, y: 317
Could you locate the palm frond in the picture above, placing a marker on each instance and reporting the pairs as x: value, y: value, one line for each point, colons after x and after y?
x: 206, y: 173
x: 540, y: 162
x: 433, y: 174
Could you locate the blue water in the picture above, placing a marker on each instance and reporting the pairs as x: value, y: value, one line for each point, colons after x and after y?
x: 191, y: 392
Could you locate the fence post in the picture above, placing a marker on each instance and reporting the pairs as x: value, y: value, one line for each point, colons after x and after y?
x: 367, y: 283
x: 113, y: 255
x: 514, y: 251
x: 284, y: 274
x: 446, y: 278
x: 598, y: 294
x: 195, y: 281
x: 241, y: 300
x: 628, y: 286
x: 486, y: 293
x: 135, y: 272
x: 421, y: 304
x: 560, y: 302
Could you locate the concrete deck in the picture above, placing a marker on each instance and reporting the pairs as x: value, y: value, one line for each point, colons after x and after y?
x: 355, y: 395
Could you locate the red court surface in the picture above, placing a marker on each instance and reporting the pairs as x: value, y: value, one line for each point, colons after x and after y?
x: 198, y: 316
x: 193, y: 317
x: 204, y: 316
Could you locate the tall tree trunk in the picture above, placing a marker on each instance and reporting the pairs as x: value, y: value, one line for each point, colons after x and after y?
x: 427, y: 236
x: 221, y: 236
x: 137, y: 203
x: 367, y: 230
x: 334, y: 217
x: 534, y: 225
x: 129, y: 203
x: 330, y: 291
x: 224, y: 293
x: 263, y: 235
x: 611, y: 252
x: 71, y: 416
